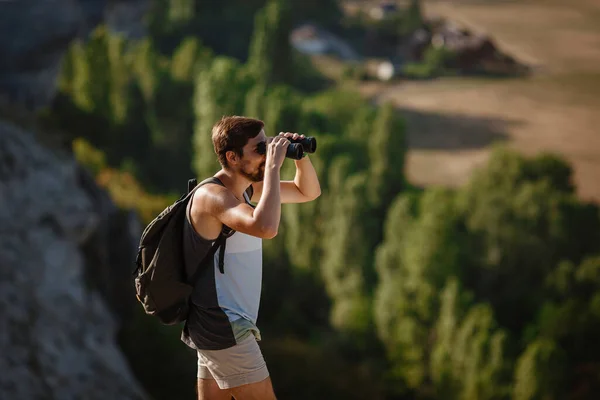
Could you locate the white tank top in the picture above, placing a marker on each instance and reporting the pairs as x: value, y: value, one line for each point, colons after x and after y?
x: 239, y: 288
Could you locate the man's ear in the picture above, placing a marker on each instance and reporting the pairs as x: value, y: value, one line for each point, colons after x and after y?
x: 232, y: 157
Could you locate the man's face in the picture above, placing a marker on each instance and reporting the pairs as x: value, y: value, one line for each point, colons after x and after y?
x: 252, y: 164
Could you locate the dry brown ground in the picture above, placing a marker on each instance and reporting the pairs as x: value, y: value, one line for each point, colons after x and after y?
x: 453, y: 121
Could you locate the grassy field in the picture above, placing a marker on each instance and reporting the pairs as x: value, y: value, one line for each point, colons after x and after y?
x: 453, y: 121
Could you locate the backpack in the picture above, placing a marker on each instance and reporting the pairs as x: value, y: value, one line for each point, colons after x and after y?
x: 161, y: 283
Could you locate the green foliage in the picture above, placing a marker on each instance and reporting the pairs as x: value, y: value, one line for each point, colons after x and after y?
x: 338, y: 106
x: 345, y: 256
x: 412, y: 268
x: 354, y: 72
x: 496, y: 251
x: 227, y: 29
x: 361, y: 125
x: 468, y: 360
x: 122, y: 187
x: 412, y: 18
x: 76, y: 77
x: 282, y: 110
x: 270, y: 49
x: 187, y: 58
x: 386, y: 151
x: 145, y: 69
x: 219, y: 91
x: 180, y: 11
x: 93, y: 159
x: 524, y: 221
x: 436, y: 61
x: 398, y: 25
x: 539, y: 371
x: 126, y: 107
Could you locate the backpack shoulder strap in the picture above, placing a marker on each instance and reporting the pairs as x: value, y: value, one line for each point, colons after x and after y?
x: 219, y: 242
x: 250, y: 192
x: 193, y: 183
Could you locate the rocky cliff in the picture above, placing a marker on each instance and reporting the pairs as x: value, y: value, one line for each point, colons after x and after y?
x: 65, y: 250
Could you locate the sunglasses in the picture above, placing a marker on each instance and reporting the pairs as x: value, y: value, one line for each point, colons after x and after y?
x: 261, y: 148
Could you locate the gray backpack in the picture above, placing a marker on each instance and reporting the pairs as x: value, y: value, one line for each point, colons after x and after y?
x: 161, y: 282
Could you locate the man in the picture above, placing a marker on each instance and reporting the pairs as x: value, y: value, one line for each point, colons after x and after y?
x: 222, y: 321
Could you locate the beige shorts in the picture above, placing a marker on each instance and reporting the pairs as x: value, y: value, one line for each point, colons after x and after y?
x: 238, y: 365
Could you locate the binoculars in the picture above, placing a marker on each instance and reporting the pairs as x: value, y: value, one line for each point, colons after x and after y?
x: 297, y: 147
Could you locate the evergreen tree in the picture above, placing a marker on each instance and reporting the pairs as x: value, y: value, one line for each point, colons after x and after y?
x: 75, y: 77
x: 569, y: 320
x: 338, y: 108
x: 413, y: 18
x: 145, y: 68
x: 392, y: 308
x: 421, y: 250
x: 539, y: 372
x: 282, y: 110
x: 187, y: 58
x: 181, y: 11
x: 270, y: 51
x: 345, y: 257
x: 468, y: 359
x: 386, y: 152
x: 362, y: 125
x: 97, y: 86
x: 521, y: 225
x: 219, y: 91
x: 120, y: 78
x: 255, y: 102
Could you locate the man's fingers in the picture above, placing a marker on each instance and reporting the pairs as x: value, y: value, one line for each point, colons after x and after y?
x: 291, y: 135
x: 280, y: 140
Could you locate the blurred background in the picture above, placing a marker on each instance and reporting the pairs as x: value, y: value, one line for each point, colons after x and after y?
x: 454, y: 253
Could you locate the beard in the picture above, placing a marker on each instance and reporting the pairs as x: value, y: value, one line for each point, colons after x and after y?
x: 255, y: 176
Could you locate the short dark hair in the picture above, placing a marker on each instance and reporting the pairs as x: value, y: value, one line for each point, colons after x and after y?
x: 232, y: 133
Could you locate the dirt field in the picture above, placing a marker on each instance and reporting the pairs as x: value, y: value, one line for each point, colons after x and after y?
x: 453, y: 121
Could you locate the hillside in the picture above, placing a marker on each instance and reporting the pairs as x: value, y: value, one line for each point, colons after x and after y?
x: 453, y: 120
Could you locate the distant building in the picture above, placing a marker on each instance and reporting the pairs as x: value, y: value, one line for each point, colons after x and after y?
x: 307, y: 39
x: 310, y: 39
x: 382, y: 10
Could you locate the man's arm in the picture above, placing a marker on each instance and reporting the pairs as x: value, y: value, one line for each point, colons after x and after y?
x: 305, y: 186
x: 262, y: 221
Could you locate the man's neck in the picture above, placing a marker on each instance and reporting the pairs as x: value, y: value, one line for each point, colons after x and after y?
x: 234, y: 182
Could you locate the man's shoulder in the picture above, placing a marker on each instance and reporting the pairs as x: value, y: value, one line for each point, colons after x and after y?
x: 210, y: 187
x: 213, y: 198
x: 208, y: 195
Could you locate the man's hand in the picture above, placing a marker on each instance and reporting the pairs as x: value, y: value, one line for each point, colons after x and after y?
x: 305, y: 186
x: 276, y: 150
x: 290, y: 135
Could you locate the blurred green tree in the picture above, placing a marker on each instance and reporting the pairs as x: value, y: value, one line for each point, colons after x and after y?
x: 270, y: 50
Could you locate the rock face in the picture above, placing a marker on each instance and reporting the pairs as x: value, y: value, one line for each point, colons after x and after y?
x: 58, y: 335
x: 66, y: 251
